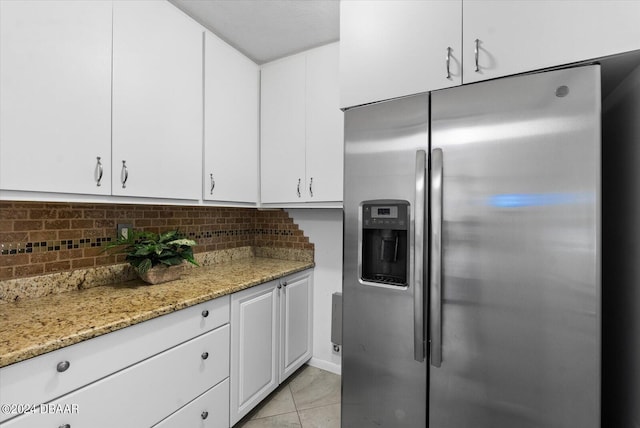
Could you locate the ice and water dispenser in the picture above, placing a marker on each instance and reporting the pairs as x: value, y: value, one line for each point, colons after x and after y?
x: 385, y: 243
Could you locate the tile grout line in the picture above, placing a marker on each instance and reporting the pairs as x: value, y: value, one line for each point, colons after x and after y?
x: 295, y: 404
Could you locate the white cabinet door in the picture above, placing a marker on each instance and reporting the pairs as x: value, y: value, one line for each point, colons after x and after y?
x: 231, y: 114
x: 526, y: 35
x: 157, y: 101
x: 302, y: 128
x: 55, y: 96
x: 271, y: 336
x: 393, y: 48
x: 324, y: 126
x: 296, y: 315
x: 282, y: 127
x: 254, y: 347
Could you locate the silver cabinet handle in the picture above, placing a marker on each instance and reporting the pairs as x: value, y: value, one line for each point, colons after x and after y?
x: 63, y: 366
x: 279, y: 286
x: 213, y: 184
x: 418, y: 264
x: 448, y: 62
x: 205, y: 313
x: 65, y: 426
x: 124, y: 174
x: 435, y: 285
x: 298, y: 189
x: 284, y: 283
x: 204, y: 355
x: 97, y: 174
x: 476, y: 51
x: 311, y: 187
x: 204, y: 415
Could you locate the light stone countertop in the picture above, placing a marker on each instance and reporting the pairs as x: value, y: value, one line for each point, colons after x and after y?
x: 35, y: 326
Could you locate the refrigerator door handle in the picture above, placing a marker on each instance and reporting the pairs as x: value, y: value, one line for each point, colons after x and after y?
x: 435, y: 283
x: 418, y: 265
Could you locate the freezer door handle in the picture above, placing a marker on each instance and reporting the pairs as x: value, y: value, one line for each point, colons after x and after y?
x: 435, y: 283
x: 418, y: 265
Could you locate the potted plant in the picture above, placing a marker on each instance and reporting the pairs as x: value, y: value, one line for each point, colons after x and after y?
x: 156, y: 257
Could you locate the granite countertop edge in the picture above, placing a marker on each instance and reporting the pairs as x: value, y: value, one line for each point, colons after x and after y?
x: 28, y: 331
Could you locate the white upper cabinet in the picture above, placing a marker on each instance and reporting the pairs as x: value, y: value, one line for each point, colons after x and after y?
x: 393, y: 48
x: 55, y: 96
x: 231, y: 123
x: 324, y: 126
x: 157, y: 101
x: 282, y: 127
x: 302, y: 128
x: 524, y: 35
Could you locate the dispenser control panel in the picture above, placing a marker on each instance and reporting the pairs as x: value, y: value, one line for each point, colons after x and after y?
x: 384, y: 216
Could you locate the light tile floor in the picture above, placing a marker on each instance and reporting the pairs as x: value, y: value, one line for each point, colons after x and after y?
x: 310, y: 398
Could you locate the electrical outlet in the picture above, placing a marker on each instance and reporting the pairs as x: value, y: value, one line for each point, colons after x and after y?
x: 124, y: 230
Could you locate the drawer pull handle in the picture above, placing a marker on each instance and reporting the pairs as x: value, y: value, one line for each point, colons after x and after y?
x: 63, y: 366
x: 204, y: 415
x: 65, y: 426
x: 205, y: 355
x: 205, y: 313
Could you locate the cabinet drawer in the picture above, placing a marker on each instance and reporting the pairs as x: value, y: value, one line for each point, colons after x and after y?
x: 145, y: 393
x: 37, y: 380
x: 210, y: 410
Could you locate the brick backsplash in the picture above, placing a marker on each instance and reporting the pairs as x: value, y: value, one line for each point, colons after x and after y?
x: 38, y: 238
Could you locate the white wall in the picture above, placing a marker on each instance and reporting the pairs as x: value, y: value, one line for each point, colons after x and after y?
x: 324, y: 229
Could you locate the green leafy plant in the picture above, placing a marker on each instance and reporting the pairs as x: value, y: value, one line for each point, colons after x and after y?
x: 145, y: 250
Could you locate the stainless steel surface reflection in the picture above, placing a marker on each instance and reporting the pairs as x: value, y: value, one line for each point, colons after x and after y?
x: 520, y: 253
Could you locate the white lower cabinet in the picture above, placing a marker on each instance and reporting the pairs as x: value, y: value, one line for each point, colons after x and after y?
x: 271, y: 337
x: 210, y: 410
x: 134, y: 377
x: 39, y: 380
x: 143, y: 394
x: 205, y: 366
x: 254, y: 347
x: 296, y: 306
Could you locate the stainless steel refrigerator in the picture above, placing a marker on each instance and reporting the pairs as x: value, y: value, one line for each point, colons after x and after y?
x: 471, y: 291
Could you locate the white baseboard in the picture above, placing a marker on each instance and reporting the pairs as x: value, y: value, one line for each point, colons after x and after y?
x: 325, y: 365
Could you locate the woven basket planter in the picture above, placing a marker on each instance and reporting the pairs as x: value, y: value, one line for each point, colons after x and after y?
x: 161, y: 273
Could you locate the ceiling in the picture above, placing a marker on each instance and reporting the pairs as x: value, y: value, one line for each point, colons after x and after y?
x: 265, y: 30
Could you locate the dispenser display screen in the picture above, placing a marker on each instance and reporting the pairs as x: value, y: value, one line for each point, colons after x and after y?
x: 384, y: 212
